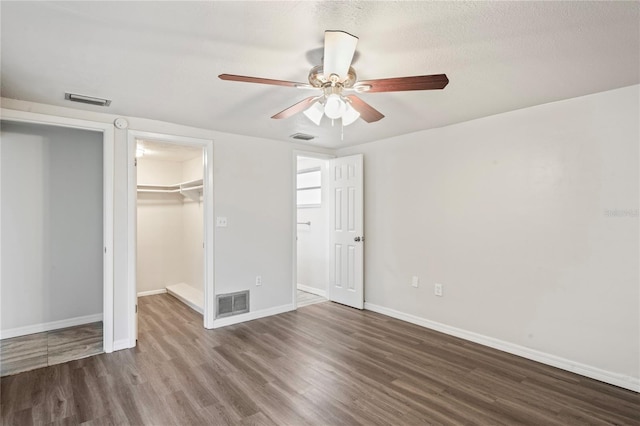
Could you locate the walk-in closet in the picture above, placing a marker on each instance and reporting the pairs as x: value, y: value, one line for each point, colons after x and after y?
x: 170, y: 237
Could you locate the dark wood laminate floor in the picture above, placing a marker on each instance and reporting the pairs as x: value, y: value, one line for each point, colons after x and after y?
x: 38, y: 350
x: 324, y: 364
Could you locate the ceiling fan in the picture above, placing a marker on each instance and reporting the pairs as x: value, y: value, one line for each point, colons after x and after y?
x: 338, y: 84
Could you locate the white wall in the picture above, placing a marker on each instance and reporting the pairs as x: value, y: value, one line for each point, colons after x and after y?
x: 511, y: 213
x: 250, y: 174
x: 51, y: 224
x: 170, y: 227
x: 312, y: 249
x: 160, y: 255
x: 192, y: 229
x: 252, y: 184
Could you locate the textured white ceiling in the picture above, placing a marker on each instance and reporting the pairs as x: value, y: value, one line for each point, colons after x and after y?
x: 160, y: 60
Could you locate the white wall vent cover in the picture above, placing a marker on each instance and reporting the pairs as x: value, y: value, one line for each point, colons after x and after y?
x: 232, y: 304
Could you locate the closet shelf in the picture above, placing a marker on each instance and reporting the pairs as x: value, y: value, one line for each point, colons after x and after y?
x: 191, y: 189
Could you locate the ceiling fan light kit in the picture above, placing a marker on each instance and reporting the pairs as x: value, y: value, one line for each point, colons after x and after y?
x: 336, y: 79
x: 315, y: 113
x: 350, y: 115
x: 334, y: 106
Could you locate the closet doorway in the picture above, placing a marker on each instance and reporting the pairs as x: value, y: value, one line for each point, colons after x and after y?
x: 171, y: 235
x: 56, y: 231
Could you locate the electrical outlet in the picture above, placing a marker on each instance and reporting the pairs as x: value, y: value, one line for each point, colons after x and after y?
x: 415, y: 281
x: 259, y: 280
x: 221, y: 222
x: 437, y: 290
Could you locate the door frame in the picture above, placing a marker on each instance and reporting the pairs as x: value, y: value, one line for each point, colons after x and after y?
x: 132, y: 214
x: 108, y: 134
x: 294, y: 192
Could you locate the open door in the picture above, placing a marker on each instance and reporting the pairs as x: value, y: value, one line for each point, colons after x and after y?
x: 346, y: 231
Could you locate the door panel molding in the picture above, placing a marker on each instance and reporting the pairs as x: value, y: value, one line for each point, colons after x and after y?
x: 346, y: 231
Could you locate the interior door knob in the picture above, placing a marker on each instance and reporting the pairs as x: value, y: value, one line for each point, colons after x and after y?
x: 357, y: 239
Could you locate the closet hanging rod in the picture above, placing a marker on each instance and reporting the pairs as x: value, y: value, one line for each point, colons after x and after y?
x: 158, y: 190
x: 305, y: 223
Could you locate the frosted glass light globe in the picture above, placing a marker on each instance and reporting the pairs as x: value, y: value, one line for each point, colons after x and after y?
x: 350, y: 115
x: 334, y: 107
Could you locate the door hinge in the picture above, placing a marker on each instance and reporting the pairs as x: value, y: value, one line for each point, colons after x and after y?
x: 135, y: 162
x: 136, y: 308
x: 105, y: 250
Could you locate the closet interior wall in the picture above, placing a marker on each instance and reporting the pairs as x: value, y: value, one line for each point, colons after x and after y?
x: 169, y: 227
x: 51, y: 229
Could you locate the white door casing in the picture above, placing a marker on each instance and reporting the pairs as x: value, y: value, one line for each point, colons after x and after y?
x: 107, y: 131
x: 346, y: 239
x: 208, y: 215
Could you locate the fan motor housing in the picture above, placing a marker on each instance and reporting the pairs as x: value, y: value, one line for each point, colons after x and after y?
x: 318, y: 79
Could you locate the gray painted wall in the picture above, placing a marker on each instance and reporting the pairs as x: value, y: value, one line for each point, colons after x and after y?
x: 513, y: 215
x: 51, y: 224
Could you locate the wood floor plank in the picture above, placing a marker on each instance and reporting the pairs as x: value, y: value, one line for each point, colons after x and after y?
x: 324, y: 364
x: 38, y: 350
x: 258, y: 419
x: 52, y: 395
x: 74, y: 343
x: 23, y: 353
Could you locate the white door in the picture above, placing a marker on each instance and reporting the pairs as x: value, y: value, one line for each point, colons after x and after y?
x: 346, y: 238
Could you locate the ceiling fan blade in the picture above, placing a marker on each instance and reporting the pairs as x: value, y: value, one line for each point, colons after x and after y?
x: 296, y: 108
x: 244, y: 78
x: 367, y: 112
x: 339, y: 48
x: 401, y: 84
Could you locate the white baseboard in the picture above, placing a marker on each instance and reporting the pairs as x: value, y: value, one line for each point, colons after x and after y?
x: 48, y: 326
x: 152, y: 292
x: 119, y: 345
x: 623, y: 381
x: 236, y: 319
x: 312, y: 290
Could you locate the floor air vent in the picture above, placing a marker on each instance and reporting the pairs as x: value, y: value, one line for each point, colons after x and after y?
x: 232, y: 304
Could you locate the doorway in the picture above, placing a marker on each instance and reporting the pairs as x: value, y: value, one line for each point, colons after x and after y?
x: 170, y: 217
x: 312, y: 231
x: 56, y: 229
x: 328, y: 246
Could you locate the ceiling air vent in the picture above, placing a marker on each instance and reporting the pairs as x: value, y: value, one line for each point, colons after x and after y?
x: 74, y: 97
x: 302, y: 136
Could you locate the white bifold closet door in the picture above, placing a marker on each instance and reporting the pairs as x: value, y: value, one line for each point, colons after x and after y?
x: 51, y: 225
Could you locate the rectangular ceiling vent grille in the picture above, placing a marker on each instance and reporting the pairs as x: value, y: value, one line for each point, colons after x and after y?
x: 232, y: 304
x: 74, y: 97
x: 302, y: 136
